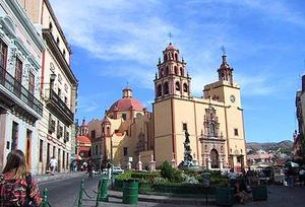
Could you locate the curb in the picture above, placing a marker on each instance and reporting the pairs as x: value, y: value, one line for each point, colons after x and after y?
x: 166, y: 199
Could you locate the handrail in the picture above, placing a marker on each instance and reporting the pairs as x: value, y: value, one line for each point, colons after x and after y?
x: 14, y: 86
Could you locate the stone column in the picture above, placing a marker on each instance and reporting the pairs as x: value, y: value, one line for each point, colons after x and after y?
x: 152, y: 163
x: 221, y: 164
x: 209, y: 163
x: 140, y: 164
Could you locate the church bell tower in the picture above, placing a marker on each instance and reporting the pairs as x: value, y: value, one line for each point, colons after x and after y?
x: 172, y: 79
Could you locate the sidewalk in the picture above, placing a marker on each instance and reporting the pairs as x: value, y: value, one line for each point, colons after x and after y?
x: 57, y: 176
x: 278, y: 196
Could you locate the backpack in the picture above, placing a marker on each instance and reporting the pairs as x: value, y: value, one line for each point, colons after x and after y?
x: 10, y: 191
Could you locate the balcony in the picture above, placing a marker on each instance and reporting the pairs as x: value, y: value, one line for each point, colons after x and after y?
x: 60, y: 108
x: 15, y: 87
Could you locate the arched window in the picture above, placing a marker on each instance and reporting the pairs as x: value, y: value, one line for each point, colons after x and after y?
x: 165, y: 88
x: 181, y: 71
x: 166, y: 70
x: 176, y: 56
x: 185, y: 88
x: 161, y: 72
x: 159, y: 90
x: 177, y: 86
x: 57, y: 40
x: 165, y: 57
x: 176, y: 70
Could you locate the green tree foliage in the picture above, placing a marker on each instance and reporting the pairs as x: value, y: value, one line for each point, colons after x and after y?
x: 170, y: 173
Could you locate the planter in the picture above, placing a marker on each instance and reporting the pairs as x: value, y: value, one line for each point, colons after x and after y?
x: 224, y: 196
x: 260, y: 193
x: 130, y: 191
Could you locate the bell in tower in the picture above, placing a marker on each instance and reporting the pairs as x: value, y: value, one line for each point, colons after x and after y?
x: 172, y: 79
x: 225, y: 72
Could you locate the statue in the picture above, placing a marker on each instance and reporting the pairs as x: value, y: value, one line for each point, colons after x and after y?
x: 188, y: 158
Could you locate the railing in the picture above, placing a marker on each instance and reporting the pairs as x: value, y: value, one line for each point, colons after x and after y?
x: 14, y: 86
x: 56, y: 100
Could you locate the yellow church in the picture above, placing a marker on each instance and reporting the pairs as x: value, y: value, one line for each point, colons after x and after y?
x: 132, y: 137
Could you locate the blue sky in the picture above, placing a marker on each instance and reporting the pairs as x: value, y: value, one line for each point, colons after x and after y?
x: 119, y: 41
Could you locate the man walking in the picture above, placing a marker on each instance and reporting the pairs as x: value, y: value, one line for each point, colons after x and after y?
x: 53, y: 165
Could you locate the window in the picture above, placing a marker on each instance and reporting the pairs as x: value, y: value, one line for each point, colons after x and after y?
x: 18, y: 70
x: 181, y: 71
x: 18, y: 77
x: 185, y: 88
x: 3, y: 54
x: 59, y: 92
x: 50, y: 26
x: 165, y: 57
x: 40, y: 150
x: 177, y: 86
x: 176, y: 56
x: 66, y: 100
x: 124, y: 116
x: 31, y: 82
x: 93, y: 134
x: 108, y: 131
x: 64, y: 53
x: 165, y: 88
x: 236, y: 132
x: 159, y: 90
x: 176, y: 70
x: 166, y: 70
x: 125, y: 151
x: 184, y: 126
x: 57, y: 40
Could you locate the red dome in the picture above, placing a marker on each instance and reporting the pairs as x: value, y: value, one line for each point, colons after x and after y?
x: 84, y: 139
x: 125, y: 104
x: 170, y: 47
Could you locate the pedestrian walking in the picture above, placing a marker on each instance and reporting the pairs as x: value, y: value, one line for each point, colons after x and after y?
x: 17, y: 187
x: 53, y: 165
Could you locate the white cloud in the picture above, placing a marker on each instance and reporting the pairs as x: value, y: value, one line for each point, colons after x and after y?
x: 136, y: 32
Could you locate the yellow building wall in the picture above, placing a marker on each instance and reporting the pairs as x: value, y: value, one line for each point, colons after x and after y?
x: 163, y: 131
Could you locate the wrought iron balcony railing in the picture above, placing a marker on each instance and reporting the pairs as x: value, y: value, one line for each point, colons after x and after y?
x: 14, y: 86
x: 62, y: 109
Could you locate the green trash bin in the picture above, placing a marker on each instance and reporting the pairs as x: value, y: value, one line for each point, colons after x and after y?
x: 130, y: 191
x: 259, y: 193
x: 102, y: 189
x: 224, y: 196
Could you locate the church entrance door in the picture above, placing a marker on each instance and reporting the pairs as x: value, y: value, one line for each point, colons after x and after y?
x: 214, y: 158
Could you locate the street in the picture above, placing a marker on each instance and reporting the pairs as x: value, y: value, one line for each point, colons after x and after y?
x: 64, y: 193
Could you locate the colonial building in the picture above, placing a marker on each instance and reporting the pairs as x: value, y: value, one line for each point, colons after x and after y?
x: 83, y: 143
x: 21, y: 51
x: 58, y: 88
x: 214, y: 121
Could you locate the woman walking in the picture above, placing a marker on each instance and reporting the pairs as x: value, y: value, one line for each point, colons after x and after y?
x: 16, y: 185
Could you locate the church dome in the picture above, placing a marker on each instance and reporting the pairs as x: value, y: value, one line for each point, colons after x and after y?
x: 170, y: 47
x: 126, y: 103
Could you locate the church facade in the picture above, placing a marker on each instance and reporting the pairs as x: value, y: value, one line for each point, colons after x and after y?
x: 214, y: 121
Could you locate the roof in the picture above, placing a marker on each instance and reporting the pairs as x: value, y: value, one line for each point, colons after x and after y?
x: 84, y: 139
x: 170, y: 47
x: 126, y: 104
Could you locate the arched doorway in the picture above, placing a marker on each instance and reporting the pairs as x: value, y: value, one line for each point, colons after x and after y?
x: 214, y: 158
